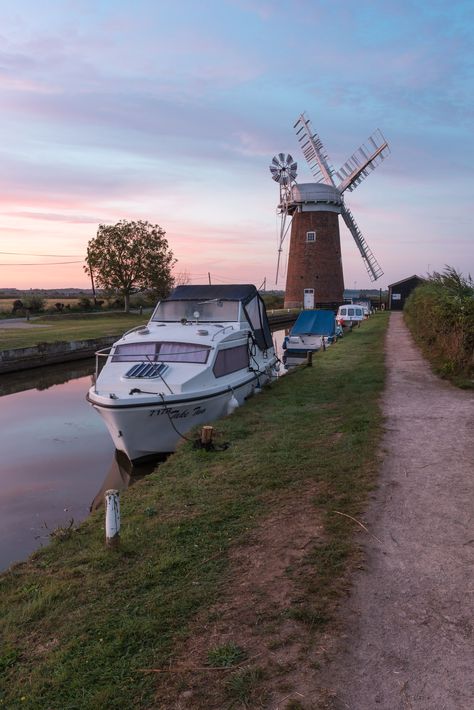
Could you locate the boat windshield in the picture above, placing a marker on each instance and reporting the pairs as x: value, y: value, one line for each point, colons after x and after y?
x: 214, y: 311
x: 161, y: 352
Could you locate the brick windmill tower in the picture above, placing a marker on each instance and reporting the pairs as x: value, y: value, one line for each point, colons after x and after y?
x: 314, y: 272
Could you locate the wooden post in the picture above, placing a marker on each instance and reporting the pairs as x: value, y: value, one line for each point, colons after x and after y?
x: 309, y: 358
x: 112, y: 518
x: 206, y: 435
x: 92, y: 279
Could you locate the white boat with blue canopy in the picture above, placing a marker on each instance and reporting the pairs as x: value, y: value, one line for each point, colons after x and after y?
x: 203, y: 352
x: 312, y: 331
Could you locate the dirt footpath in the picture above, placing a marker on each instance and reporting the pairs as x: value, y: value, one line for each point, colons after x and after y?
x: 408, y: 641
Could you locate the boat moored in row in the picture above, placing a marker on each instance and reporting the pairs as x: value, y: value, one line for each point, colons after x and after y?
x: 312, y: 331
x: 204, y: 351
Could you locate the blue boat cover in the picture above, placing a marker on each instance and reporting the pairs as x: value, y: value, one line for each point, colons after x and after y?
x: 315, y: 323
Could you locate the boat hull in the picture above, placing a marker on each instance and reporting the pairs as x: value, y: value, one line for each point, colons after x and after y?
x: 145, y: 429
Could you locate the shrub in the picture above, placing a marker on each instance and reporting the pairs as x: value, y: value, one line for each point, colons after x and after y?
x: 84, y: 303
x: 35, y: 304
x: 440, y: 314
x: 273, y: 300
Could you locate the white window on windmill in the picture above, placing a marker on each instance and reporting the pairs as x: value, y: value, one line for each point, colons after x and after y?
x: 310, y: 236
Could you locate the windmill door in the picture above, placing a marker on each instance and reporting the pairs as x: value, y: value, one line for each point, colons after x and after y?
x: 308, y: 301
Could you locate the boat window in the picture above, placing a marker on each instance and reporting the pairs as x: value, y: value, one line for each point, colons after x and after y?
x: 350, y: 311
x: 343, y: 312
x: 231, y: 360
x: 183, y: 352
x: 214, y: 311
x: 135, y: 352
x: 161, y: 352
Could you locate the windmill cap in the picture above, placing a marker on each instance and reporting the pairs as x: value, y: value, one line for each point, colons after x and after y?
x: 316, y: 192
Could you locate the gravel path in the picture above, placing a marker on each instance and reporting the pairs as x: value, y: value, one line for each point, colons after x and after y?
x: 408, y: 641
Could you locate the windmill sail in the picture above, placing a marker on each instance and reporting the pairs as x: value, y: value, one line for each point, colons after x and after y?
x: 362, y: 162
x: 314, y: 151
x: 283, y: 232
x: 371, y: 264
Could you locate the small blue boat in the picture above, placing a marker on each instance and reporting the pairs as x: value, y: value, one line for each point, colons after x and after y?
x: 312, y: 331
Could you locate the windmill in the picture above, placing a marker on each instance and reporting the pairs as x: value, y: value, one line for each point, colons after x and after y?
x: 314, y: 260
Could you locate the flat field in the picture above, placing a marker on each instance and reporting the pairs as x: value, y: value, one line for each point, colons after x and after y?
x: 6, y: 304
x: 67, y: 328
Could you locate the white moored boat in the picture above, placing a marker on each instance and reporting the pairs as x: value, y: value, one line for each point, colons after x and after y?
x: 203, y: 352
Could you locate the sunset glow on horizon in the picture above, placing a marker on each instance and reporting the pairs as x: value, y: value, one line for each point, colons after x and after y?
x: 172, y: 114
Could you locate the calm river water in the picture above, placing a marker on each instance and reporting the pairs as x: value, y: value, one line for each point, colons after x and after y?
x: 56, y: 456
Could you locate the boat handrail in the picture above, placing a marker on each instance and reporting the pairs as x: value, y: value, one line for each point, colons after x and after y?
x: 132, y: 330
x: 103, y: 352
x: 221, y: 330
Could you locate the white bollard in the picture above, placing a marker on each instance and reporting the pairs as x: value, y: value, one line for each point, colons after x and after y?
x: 112, y: 518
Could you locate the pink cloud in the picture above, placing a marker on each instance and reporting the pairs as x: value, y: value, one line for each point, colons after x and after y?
x: 56, y: 217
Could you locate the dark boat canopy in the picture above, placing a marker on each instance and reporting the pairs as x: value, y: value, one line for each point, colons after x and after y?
x: 227, y: 292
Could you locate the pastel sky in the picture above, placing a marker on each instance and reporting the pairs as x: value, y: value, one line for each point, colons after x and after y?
x: 171, y: 112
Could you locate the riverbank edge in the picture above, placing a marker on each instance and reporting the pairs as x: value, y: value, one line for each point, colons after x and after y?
x: 83, y: 624
x: 43, y: 354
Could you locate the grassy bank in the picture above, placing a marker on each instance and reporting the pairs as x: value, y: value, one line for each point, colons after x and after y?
x: 80, y: 624
x: 67, y: 328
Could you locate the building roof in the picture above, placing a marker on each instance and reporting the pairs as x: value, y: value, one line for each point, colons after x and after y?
x: 409, y: 278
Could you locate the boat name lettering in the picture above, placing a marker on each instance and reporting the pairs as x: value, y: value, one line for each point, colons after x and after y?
x: 176, y: 413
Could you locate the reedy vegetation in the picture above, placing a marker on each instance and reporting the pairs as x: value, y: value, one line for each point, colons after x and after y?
x: 440, y: 315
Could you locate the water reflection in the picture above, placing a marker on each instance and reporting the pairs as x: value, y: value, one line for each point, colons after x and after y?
x: 290, y: 361
x: 54, y: 451
x: 122, y: 474
x: 42, y: 378
x: 287, y: 361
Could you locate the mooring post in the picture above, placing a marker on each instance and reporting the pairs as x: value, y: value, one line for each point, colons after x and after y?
x: 112, y: 518
x: 206, y: 435
x: 309, y: 358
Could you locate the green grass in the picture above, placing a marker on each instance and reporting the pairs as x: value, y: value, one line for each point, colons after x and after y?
x: 81, y: 623
x: 225, y: 656
x: 68, y: 328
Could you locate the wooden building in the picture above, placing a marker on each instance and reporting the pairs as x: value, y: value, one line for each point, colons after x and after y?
x: 399, y: 292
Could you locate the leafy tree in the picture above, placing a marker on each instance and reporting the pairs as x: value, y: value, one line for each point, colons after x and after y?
x: 128, y: 257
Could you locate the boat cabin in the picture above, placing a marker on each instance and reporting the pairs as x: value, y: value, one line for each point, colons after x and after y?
x: 239, y: 303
